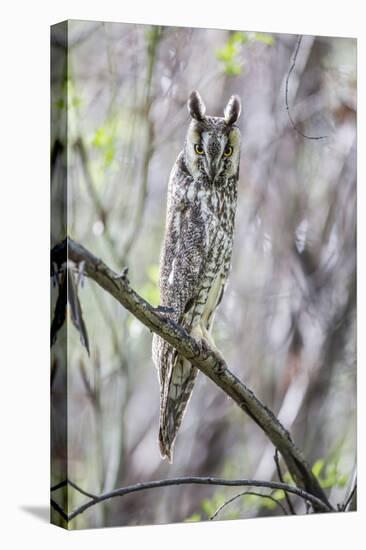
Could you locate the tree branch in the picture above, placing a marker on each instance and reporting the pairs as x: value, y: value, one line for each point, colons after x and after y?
x: 58, y: 509
x: 279, y: 473
x: 254, y: 493
x: 202, y: 357
x: 350, y: 503
x: 316, y: 502
x: 293, y: 123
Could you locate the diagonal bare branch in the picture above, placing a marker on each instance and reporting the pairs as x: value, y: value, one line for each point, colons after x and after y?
x: 202, y: 357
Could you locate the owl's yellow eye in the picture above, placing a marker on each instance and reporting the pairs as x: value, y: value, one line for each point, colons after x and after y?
x: 198, y: 149
x: 228, y: 151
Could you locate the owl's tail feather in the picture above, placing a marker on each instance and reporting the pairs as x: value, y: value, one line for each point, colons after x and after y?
x: 176, y: 393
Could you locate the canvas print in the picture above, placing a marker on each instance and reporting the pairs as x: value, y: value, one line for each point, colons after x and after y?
x: 203, y: 270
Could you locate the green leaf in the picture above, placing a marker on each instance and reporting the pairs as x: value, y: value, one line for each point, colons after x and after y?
x: 268, y: 503
x: 104, y: 139
x: 239, y: 37
x: 109, y: 155
x: 193, y: 517
x: 331, y: 475
x: 100, y: 138
x: 287, y: 478
x: 209, y: 507
x: 342, y: 480
x: 73, y: 100
x: 328, y: 474
x: 231, y: 514
x: 265, y: 38
x: 318, y: 467
x: 230, y: 52
x: 226, y: 53
x: 250, y: 500
x: 232, y: 69
x: 76, y: 102
x: 329, y: 482
x: 279, y: 494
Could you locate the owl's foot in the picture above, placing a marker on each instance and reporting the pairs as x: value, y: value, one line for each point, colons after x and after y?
x: 164, y: 309
x: 209, y: 341
x: 200, y: 332
x: 207, y: 337
x: 168, y: 314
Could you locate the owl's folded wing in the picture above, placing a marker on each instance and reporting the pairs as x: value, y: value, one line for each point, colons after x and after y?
x: 189, y: 241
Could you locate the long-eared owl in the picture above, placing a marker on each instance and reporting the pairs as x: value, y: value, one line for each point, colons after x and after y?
x: 196, y: 254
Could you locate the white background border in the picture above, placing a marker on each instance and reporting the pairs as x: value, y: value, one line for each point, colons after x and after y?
x: 24, y: 285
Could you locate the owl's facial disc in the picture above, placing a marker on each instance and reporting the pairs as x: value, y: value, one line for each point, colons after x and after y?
x: 212, y: 148
x: 220, y: 153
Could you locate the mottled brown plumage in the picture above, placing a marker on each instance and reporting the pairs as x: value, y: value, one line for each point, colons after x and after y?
x: 196, y: 253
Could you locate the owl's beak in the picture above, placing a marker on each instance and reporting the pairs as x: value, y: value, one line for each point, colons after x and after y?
x: 212, y: 169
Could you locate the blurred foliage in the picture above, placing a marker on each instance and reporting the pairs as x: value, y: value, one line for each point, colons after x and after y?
x: 73, y: 99
x: 105, y: 140
x: 231, y: 53
x: 193, y: 518
x: 233, y: 509
x: 328, y: 474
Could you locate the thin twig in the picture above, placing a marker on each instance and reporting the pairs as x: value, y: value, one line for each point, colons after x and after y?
x: 58, y: 509
x: 77, y: 488
x: 249, y: 493
x: 316, y: 502
x: 72, y: 484
x: 293, y: 124
x: 350, y: 497
x: 59, y: 485
x: 280, y: 477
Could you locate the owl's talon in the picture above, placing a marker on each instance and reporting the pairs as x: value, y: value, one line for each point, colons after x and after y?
x: 212, y: 347
x: 164, y: 309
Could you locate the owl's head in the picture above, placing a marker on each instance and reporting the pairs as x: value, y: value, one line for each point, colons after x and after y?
x: 212, y: 146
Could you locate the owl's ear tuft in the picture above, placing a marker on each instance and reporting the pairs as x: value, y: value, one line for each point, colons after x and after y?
x: 232, y: 110
x: 195, y: 105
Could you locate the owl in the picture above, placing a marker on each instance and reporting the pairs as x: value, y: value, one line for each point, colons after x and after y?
x: 196, y: 253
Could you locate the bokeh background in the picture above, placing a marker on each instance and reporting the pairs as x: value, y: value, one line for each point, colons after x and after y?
x: 287, y: 323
